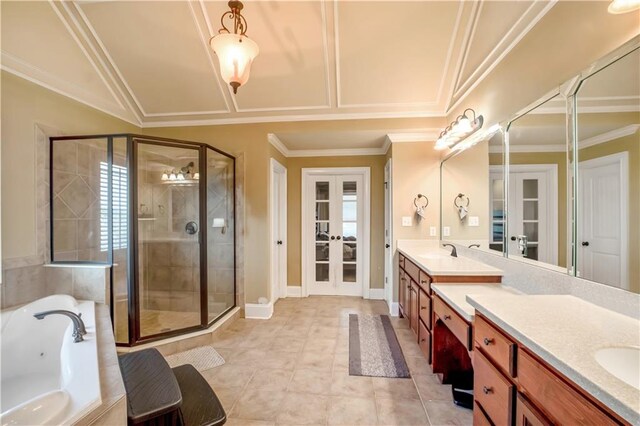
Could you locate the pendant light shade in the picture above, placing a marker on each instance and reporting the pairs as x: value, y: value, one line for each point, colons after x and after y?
x: 623, y: 6
x: 234, y: 49
x: 235, y: 53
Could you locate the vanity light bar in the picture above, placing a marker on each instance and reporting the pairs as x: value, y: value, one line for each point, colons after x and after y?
x: 477, y: 137
x: 459, y: 130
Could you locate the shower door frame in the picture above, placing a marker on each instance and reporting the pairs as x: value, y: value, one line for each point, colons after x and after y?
x: 133, y: 306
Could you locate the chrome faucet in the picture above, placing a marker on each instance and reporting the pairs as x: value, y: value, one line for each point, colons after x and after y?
x: 78, y: 325
x: 454, y: 252
x: 474, y: 245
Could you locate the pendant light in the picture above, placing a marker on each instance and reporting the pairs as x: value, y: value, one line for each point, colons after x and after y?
x: 234, y: 49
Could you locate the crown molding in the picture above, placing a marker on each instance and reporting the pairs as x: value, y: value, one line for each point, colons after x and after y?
x: 528, y: 148
x: 608, y: 136
x: 429, y: 135
x: 329, y: 152
x: 277, y: 144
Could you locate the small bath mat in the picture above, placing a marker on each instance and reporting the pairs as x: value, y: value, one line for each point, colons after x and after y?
x: 374, y: 349
x: 202, y: 358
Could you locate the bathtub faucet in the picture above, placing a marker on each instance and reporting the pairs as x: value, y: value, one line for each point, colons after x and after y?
x: 78, y: 325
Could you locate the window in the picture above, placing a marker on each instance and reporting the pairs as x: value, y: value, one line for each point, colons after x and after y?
x: 119, y: 197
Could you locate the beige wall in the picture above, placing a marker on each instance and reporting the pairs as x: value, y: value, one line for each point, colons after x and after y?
x: 23, y: 106
x: 467, y: 173
x: 570, y: 37
x: 294, y: 211
x: 415, y: 170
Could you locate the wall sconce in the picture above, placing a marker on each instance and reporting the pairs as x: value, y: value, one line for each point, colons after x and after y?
x: 459, y: 130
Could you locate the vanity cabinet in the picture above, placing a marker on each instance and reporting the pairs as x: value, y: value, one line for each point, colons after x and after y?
x: 416, y: 303
x: 513, y: 386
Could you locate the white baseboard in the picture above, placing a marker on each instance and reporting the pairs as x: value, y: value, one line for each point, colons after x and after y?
x: 376, y: 293
x: 294, y: 291
x: 394, y: 309
x: 258, y: 311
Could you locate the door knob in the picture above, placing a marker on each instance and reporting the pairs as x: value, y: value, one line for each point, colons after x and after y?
x: 338, y: 237
x: 333, y: 238
x: 585, y: 244
x: 279, y: 242
x: 387, y: 246
x: 513, y: 238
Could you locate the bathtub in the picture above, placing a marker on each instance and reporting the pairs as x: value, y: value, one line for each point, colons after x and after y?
x: 46, y: 378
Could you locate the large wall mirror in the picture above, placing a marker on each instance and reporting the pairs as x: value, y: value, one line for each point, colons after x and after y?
x: 608, y: 174
x: 473, y: 195
x: 560, y: 188
x: 537, y: 190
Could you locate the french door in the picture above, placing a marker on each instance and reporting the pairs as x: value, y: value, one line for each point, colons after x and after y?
x: 334, y: 245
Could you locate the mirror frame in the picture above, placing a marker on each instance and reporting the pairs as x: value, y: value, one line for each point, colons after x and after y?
x: 567, y: 91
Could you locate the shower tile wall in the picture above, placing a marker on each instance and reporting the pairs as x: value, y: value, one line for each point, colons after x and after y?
x: 76, y: 190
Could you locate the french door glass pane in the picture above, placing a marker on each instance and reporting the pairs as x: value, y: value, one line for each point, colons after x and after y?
x: 322, y: 190
x: 349, y: 191
x: 322, y: 231
x: 531, y: 231
x: 322, y: 272
x: 349, y: 210
x: 530, y: 188
x: 322, y: 210
x: 349, y: 272
x: 497, y: 189
x: 349, y: 231
x: 349, y: 252
x: 322, y: 252
x: 530, y: 210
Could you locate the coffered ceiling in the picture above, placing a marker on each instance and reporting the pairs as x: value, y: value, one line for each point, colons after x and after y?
x: 149, y: 62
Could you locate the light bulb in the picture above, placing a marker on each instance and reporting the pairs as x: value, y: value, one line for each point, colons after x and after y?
x: 623, y: 6
x: 196, y: 175
x: 165, y: 176
x: 180, y: 176
x: 463, y: 125
x: 173, y: 176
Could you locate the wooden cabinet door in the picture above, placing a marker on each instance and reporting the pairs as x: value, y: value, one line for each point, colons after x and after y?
x: 402, y: 291
x: 528, y: 415
x: 413, y: 307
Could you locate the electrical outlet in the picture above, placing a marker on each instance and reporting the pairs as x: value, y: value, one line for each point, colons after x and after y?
x: 406, y: 221
x: 474, y: 221
x: 446, y: 231
x: 432, y: 231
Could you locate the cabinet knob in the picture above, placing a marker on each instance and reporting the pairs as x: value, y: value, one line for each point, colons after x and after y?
x: 447, y: 317
x: 487, y: 341
x: 487, y: 390
x: 423, y: 340
x: 424, y: 282
x: 423, y: 307
x: 409, y: 286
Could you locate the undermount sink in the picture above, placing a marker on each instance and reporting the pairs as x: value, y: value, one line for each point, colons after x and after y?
x: 622, y: 362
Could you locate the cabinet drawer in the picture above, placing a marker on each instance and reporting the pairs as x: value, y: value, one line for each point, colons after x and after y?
x: 425, y: 281
x: 479, y: 418
x: 459, y: 327
x: 424, y: 311
x: 492, y: 391
x: 424, y: 341
x: 561, y: 402
x: 528, y: 415
x: 500, y: 349
x: 412, y: 270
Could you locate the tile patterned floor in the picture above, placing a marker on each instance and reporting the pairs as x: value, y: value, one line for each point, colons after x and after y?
x: 293, y: 370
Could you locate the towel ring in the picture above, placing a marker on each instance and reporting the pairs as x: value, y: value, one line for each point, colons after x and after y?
x: 461, y: 197
x: 415, y: 201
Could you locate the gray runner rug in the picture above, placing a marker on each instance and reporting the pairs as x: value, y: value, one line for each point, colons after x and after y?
x: 374, y: 349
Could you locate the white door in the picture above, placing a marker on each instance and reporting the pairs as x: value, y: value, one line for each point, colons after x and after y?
x: 388, y: 249
x: 533, y: 213
x: 278, y: 208
x: 334, y: 246
x: 602, y: 224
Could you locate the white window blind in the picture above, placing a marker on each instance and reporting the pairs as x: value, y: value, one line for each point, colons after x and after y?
x: 119, y: 197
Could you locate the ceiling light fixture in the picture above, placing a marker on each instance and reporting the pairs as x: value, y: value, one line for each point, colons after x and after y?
x: 459, y: 130
x: 235, y: 50
x: 623, y: 6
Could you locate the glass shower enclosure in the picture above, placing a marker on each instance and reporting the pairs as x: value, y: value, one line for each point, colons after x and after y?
x: 161, y: 214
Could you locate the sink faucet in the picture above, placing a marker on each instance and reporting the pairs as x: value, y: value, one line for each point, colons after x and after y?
x: 78, y: 325
x: 454, y: 252
x: 474, y: 245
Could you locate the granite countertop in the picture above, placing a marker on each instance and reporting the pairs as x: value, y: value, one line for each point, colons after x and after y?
x: 437, y: 261
x: 455, y: 294
x: 566, y: 331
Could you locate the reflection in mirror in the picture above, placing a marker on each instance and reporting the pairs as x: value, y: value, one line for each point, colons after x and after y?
x: 537, y: 213
x: 608, y: 170
x: 473, y: 195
